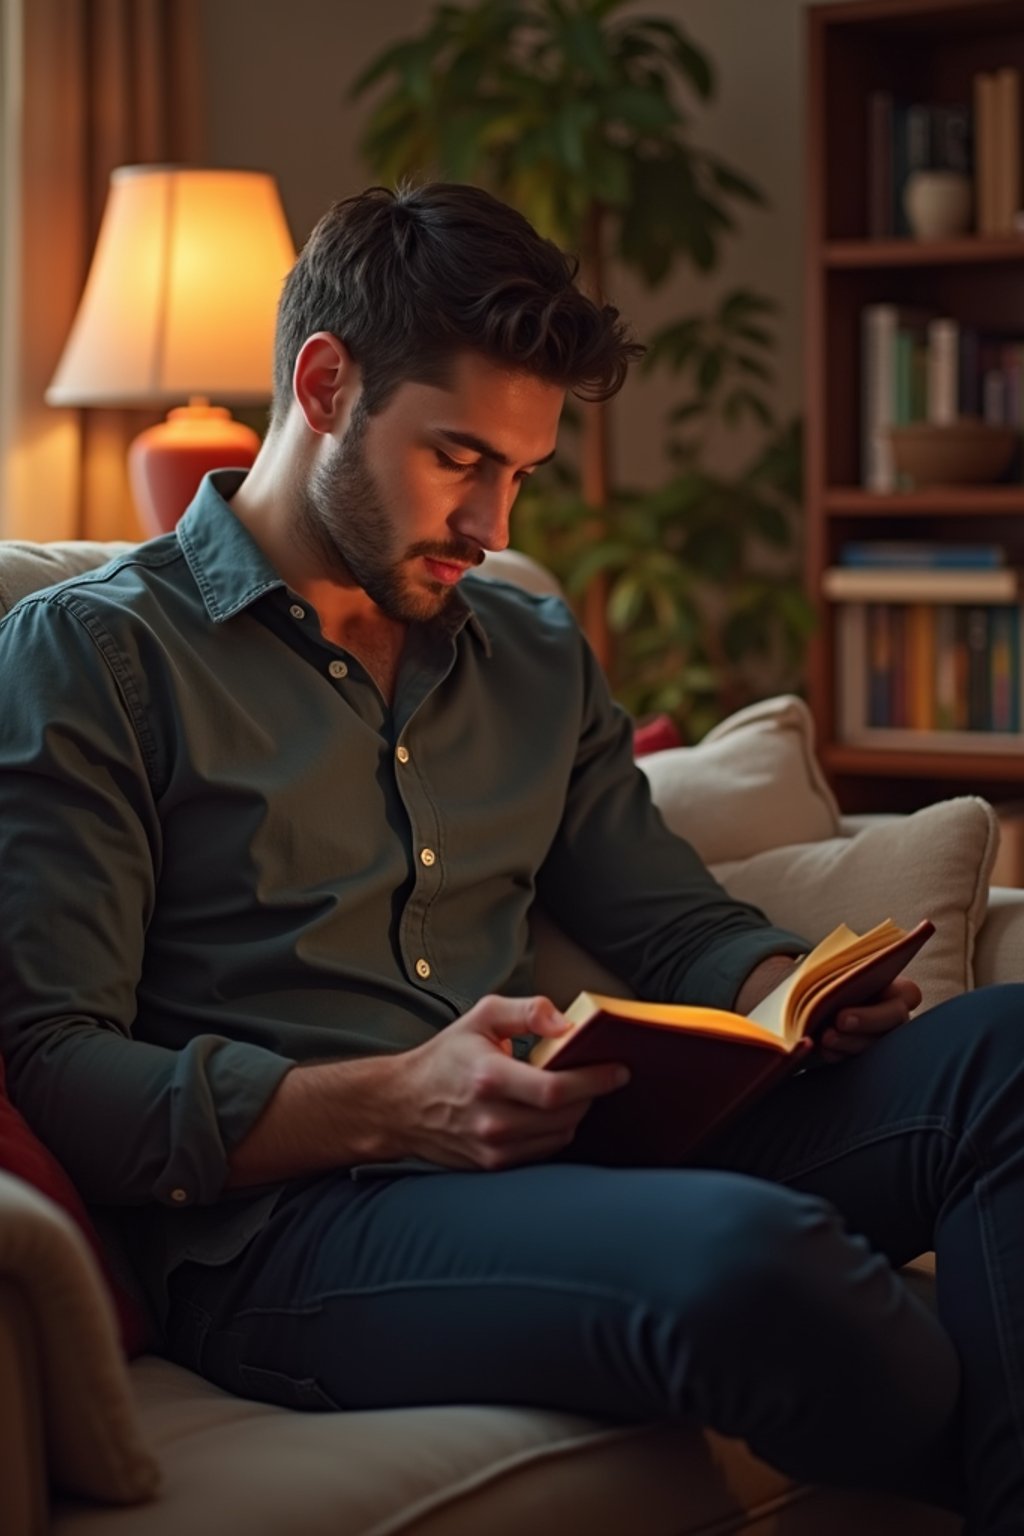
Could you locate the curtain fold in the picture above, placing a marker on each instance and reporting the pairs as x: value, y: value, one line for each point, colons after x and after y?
x: 86, y: 85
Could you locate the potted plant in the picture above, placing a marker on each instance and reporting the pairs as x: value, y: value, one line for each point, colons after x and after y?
x: 581, y: 117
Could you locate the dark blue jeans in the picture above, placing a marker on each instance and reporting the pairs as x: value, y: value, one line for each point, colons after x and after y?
x: 754, y: 1293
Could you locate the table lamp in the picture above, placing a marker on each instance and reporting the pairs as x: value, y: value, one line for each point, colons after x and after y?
x: 180, y: 304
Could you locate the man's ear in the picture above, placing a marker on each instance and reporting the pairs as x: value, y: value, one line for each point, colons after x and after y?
x: 326, y: 382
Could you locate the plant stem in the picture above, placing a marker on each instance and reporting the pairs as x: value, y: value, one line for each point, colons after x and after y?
x: 595, y: 450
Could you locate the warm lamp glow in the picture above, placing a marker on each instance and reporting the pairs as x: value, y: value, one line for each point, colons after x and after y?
x: 180, y: 304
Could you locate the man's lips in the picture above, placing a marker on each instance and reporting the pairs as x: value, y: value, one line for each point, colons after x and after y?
x: 446, y: 571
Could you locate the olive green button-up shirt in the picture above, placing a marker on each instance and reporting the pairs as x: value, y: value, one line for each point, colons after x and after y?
x: 223, y: 853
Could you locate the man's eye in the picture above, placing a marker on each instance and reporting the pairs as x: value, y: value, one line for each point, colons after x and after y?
x: 448, y: 463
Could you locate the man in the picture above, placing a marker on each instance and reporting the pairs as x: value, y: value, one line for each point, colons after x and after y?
x: 277, y: 793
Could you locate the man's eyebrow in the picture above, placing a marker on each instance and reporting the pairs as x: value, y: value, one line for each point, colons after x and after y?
x: 485, y: 449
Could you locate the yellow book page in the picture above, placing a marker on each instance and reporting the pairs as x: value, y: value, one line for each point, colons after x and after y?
x: 684, y: 1016
x: 784, y: 1011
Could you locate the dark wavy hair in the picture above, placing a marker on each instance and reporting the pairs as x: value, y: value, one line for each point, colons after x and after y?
x: 409, y: 279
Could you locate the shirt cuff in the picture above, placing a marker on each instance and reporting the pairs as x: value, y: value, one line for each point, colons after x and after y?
x: 716, y: 978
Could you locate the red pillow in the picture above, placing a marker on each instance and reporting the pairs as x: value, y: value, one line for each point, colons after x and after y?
x: 655, y: 736
x: 25, y: 1156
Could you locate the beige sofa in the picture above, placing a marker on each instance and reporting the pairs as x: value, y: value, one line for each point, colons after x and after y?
x: 92, y: 1447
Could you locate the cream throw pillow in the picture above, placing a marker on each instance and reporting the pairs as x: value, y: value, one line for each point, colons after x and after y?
x: 752, y: 783
x: 935, y: 863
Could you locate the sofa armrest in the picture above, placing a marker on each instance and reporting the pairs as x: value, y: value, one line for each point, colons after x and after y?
x: 999, y: 951
x: 59, y: 1343
x: 23, y: 1490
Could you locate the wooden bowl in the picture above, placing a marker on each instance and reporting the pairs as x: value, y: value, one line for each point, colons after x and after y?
x: 966, y: 452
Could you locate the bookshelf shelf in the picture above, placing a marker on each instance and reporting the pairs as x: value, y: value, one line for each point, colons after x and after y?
x: 866, y: 255
x: 871, y: 763
x: 953, y: 501
x: 932, y: 53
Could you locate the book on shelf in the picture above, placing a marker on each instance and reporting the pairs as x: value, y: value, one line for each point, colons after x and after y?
x: 891, y: 336
x: 930, y: 676
x: 997, y: 115
x: 919, y: 366
x: 921, y: 554
x: 693, y: 1069
x: 922, y: 584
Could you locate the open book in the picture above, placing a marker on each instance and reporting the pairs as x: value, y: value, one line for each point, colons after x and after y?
x: 694, y: 1068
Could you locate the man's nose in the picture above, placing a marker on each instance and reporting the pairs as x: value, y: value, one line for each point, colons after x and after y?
x: 483, y: 514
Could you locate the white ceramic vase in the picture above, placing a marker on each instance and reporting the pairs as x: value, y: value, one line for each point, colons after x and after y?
x: 938, y: 204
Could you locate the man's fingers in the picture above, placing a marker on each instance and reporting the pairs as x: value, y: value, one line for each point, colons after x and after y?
x: 502, y: 1018
x: 876, y: 1019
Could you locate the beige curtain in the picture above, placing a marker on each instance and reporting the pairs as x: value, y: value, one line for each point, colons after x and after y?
x: 85, y: 85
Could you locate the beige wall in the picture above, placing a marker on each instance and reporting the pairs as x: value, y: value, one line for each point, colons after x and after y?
x: 278, y: 71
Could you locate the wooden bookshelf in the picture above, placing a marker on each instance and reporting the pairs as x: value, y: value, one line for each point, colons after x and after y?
x: 927, y: 51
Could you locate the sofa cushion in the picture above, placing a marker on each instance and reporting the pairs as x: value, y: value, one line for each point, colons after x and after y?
x: 935, y: 863
x: 752, y: 783
x: 231, y: 1466
x: 25, y: 567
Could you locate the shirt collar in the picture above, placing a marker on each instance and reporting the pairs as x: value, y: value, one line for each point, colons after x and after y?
x: 230, y: 569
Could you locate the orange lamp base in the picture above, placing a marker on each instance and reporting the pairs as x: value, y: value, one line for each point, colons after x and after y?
x: 167, y: 462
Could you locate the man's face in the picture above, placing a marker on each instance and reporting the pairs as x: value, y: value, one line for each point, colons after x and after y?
x: 410, y: 499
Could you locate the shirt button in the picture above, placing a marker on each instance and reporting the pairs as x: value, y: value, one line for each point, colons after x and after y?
x: 428, y: 856
x: 402, y: 753
x: 297, y: 612
x: 179, y: 1196
x: 338, y: 669
x: 422, y: 969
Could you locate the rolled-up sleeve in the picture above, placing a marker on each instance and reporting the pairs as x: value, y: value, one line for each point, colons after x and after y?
x: 80, y: 858
x: 634, y: 893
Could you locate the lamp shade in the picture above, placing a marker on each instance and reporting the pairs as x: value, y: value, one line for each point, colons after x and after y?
x: 182, y: 294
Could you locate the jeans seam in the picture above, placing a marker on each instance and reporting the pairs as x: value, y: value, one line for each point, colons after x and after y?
x: 868, y: 1139
x: 1001, y: 1302
x: 344, y: 1293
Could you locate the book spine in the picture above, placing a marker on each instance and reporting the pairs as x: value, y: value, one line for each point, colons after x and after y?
x: 900, y: 226
x: 1002, y: 680
x: 987, y: 170
x: 943, y: 371
x: 920, y: 621
x: 880, y: 194
x: 852, y: 670
x: 962, y: 664
x: 899, y: 668
x: 981, y: 154
x: 945, y: 668
x: 879, y: 663
x: 993, y: 396
x: 970, y: 375
x: 1009, y: 148
x: 878, y: 371
x: 979, y: 669
x: 882, y: 555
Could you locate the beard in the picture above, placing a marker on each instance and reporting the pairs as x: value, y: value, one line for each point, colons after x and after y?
x: 344, y: 519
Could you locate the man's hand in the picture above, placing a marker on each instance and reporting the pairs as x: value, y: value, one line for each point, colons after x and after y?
x: 462, y: 1099
x: 854, y: 1029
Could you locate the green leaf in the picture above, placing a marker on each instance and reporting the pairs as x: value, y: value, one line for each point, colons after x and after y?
x: 585, y: 47
x: 692, y: 63
x: 710, y: 370
x: 728, y: 180
x: 756, y: 336
x: 741, y: 303
x: 754, y: 367
x: 638, y: 109
x: 572, y: 122
x: 625, y: 602
x: 743, y: 402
